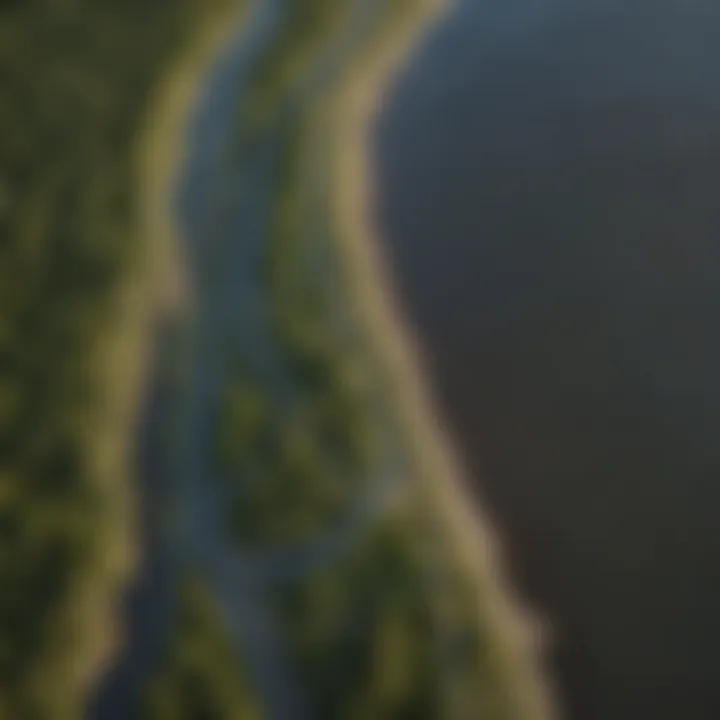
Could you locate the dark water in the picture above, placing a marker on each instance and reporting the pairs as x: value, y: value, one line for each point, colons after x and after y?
x: 550, y: 192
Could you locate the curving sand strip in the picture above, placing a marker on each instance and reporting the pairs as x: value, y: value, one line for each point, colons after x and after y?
x: 125, y: 355
x: 471, y: 534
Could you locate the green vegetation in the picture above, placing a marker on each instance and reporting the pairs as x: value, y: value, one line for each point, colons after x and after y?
x: 289, y: 467
x: 294, y: 461
x: 400, y: 627
x: 362, y: 633
x: 387, y: 634
x: 76, y: 77
x: 319, y: 441
x: 201, y: 676
x: 304, y: 30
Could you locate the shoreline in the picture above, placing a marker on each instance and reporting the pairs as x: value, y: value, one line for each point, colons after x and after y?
x: 475, y: 543
x: 154, y: 287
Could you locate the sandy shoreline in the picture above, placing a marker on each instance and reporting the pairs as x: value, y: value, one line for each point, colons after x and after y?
x: 154, y: 288
x: 472, y: 535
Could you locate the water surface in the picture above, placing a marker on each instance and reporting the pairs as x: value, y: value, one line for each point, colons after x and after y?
x: 549, y: 179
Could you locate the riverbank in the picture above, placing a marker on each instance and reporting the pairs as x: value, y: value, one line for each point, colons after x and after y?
x: 362, y: 83
x: 155, y: 289
x: 357, y: 102
x: 77, y: 310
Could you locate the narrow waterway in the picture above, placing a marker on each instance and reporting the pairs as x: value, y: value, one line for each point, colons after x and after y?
x: 549, y: 178
x: 224, y: 205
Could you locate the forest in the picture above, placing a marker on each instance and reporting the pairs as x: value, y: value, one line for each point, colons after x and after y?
x: 76, y: 78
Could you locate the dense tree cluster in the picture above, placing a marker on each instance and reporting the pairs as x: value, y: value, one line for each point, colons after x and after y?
x: 295, y: 458
x: 202, y: 676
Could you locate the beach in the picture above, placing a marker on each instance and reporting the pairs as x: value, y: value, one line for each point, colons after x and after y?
x: 519, y: 632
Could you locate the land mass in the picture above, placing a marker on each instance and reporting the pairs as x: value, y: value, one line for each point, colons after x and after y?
x: 329, y: 564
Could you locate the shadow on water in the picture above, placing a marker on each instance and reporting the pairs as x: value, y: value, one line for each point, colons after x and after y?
x: 549, y: 177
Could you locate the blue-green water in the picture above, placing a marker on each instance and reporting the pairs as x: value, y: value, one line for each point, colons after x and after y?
x: 550, y: 194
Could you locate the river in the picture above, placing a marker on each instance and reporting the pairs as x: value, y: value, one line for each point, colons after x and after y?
x: 548, y: 180
x: 224, y: 206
